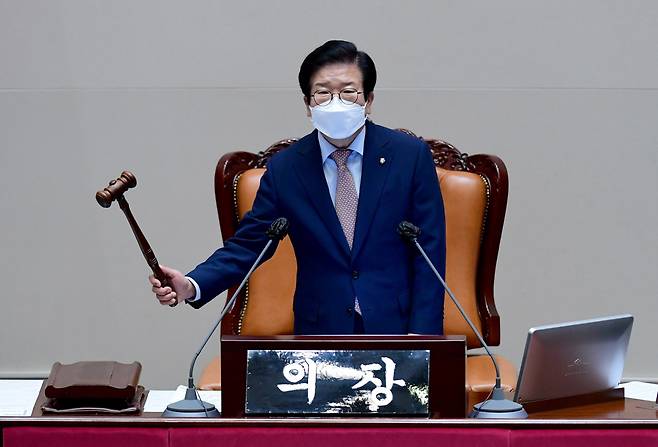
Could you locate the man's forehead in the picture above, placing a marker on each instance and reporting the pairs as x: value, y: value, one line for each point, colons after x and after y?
x: 342, y: 73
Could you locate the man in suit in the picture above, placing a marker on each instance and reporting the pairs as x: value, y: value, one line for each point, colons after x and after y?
x: 343, y: 188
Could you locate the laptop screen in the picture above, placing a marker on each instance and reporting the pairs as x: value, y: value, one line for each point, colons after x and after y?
x: 575, y: 358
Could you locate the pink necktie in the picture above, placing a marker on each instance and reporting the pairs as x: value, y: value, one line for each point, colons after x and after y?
x: 346, y: 201
x: 346, y: 197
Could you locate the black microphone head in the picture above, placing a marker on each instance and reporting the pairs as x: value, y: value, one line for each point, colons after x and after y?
x: 278, y: 229
x: 408, y: 231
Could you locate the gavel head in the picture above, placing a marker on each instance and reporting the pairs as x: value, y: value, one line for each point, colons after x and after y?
x: 116, y: 189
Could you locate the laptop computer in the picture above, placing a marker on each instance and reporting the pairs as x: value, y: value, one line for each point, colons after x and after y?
x: 575, y: 358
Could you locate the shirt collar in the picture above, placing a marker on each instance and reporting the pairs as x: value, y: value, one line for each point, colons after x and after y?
x: 326, y: 148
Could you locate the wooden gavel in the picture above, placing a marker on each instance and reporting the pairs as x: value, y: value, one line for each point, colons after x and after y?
x: 115, y: 191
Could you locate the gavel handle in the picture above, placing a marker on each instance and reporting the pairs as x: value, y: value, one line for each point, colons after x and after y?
x: 144, y: 246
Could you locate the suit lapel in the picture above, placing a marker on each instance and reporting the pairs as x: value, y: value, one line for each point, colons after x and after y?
x: 377, y: 160
x: 308, y: 166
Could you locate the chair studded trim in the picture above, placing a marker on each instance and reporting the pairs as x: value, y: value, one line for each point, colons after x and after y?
x: 487, y: 191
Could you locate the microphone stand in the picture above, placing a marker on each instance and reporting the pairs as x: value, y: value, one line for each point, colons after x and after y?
x: 496, y: 406
x: 191, y: 406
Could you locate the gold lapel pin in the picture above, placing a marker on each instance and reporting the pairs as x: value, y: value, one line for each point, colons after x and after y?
x: 382, y: 161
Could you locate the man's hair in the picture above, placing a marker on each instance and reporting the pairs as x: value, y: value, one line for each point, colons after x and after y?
x: 337, y: 52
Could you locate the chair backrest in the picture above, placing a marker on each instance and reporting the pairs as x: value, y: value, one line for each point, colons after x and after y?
x: 474, y: 190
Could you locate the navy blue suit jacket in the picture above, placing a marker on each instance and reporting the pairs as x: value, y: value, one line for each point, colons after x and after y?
x: 397, y: 291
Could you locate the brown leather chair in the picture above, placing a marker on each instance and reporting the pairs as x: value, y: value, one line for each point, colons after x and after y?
x: 474, y: 190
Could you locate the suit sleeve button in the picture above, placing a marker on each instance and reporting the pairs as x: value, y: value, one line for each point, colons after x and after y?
x: 355, y: 274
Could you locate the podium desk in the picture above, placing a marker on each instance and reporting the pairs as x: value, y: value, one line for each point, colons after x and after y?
x: 616, y: 423
x: 446, y: 365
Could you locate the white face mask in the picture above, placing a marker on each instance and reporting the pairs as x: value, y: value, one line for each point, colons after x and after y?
x: 338, y: 120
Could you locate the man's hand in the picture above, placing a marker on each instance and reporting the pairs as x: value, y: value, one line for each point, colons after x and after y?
x: 179, y: 289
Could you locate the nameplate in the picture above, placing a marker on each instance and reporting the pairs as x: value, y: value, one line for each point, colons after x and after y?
x: 334, y: 382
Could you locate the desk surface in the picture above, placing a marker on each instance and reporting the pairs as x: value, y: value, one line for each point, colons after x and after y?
x: 619, y: 413
x: 626, y: 413
x: 608, y: 424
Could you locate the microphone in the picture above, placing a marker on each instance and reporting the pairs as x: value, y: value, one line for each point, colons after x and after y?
x: 191, y: 406
x: 496, y: 406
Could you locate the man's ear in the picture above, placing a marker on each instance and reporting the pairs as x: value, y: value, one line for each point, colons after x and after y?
x: 371, y: 98
x: 307, y: 106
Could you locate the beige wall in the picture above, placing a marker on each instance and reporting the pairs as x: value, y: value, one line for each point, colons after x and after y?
x: 566, y: 92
